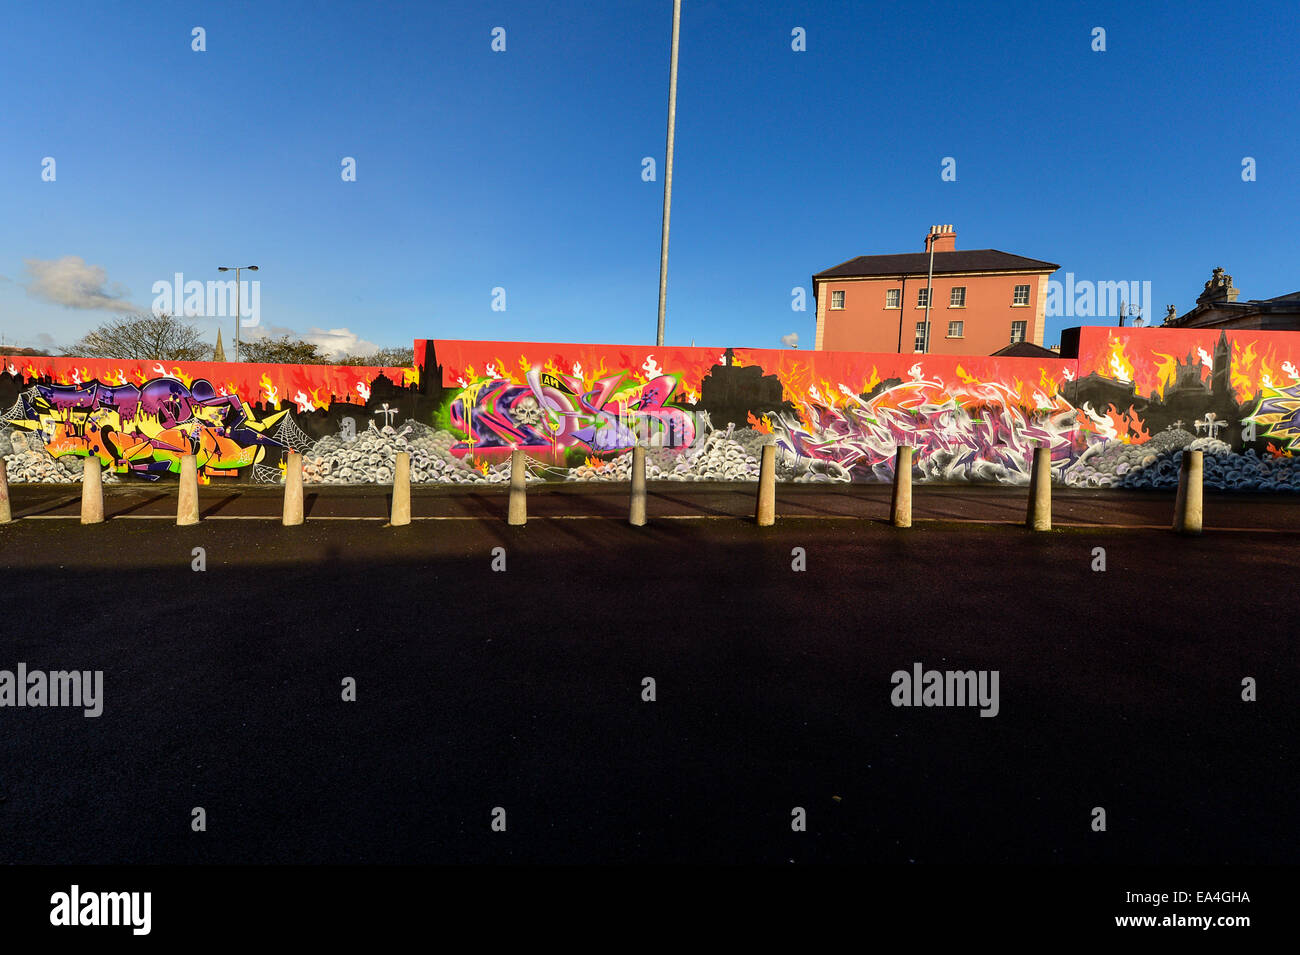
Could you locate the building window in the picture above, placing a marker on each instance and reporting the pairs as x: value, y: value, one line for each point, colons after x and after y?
x: 955, y: 329
x: 922, y: 297
x: 922, y: 337
x: 1022, y: 295
x: 893, y: 297
x: 957, y: 298
x: 1017, y: 332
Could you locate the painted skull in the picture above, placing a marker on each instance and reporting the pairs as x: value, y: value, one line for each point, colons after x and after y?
x: 527, y: 412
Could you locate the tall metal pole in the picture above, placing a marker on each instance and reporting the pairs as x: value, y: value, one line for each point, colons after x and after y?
x: 668, y: 173
x: 236, y: 314
x: 929, y: 282
x: 239, y: 305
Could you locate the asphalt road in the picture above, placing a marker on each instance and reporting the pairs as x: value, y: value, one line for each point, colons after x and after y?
x: 522, y: 689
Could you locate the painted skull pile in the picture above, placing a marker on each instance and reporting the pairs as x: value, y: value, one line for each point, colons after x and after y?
x: 728, y: 455
x: 1155, y: 464
x: 369, y: 457
x: 28, y: 462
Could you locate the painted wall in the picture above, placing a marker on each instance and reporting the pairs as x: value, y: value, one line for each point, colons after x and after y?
x: 1146, y: 394
x: 139, y: 417
x: 834, y: 416
x: 1117, y: 416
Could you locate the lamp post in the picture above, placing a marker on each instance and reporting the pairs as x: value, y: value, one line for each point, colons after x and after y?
x: 236, y: 269
x: 929, y: 282
x: 668, y: 173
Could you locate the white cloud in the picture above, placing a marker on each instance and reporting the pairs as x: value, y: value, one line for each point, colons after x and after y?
x: 72, y: 283
x: 338, y: 342
x: 791, y: 340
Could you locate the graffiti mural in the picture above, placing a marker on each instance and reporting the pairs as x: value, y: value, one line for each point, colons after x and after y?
x: 139, y: 418
x: 553, y: 413
x: 145, y: 429
x: 1146, y: 395
x: 1117, y: 412
x: 704, y: 414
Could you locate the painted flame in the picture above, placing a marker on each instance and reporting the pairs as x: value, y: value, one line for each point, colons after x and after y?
x: 1120, y: 367
x: 1129, y: 428
x: 269, y: 391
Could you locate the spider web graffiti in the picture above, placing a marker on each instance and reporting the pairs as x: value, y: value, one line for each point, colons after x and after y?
x: 264, y: 475
x: 19, y: 412
x: 291, y: 436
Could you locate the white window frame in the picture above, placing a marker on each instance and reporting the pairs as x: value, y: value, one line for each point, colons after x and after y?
x: 923, y: 338
x: 1015, y: 294
x: 922, y: 296
x: 1024, y: 330
x: 897, y: 294
x: 952, y: 294
x: 839, y: 292
x: 961, y: 328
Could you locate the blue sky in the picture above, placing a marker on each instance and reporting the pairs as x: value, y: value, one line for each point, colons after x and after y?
x: 522, y: 169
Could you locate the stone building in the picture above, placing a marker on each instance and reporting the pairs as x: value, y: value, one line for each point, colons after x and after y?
x: 1217, y: 307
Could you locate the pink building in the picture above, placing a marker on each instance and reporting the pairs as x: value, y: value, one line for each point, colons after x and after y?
x: 981, y: 300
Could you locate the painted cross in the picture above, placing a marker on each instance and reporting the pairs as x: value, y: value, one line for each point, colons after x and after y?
x: 1211, y: 424
x: 387, y: 412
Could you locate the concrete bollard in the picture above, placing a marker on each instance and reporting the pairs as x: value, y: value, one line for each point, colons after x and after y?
x: 92, y: 491
x: 293, y: 490
x: 1188, y: 506
x: 900, y: 508
x: 637, y: 515
x: 401, y: 490
x: 187, y: 502
x: 765, y: 510
x: 5, y: 514
x: 518, y: 510
x: 1039, y: 516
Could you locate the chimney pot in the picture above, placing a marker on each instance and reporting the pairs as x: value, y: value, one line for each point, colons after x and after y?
x: 942, y: 238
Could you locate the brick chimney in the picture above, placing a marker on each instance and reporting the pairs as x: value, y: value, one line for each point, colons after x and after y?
x: 944, y: 238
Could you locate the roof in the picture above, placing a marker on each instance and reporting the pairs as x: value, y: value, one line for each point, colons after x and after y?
x: 918, y: 263
x: 1025, y: 350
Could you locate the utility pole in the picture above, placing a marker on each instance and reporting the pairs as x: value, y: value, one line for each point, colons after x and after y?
x: 668, y: 173
x: 238, y: 317
x: 929, y: 293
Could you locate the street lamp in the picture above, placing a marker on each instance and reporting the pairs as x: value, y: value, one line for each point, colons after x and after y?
x: 236, y: 269
x: 668, y: 173
x: 929, y: 284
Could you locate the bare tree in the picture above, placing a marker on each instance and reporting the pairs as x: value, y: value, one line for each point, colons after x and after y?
x: 158, y: 337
